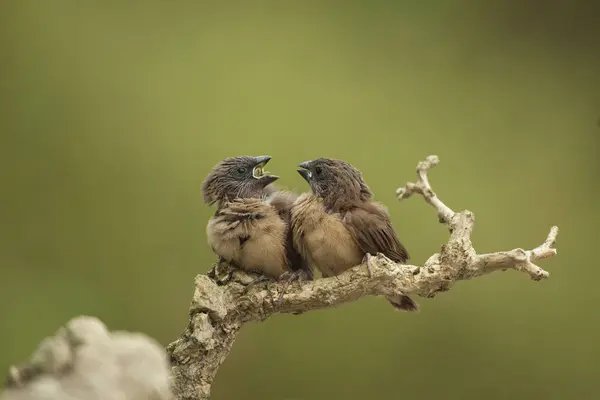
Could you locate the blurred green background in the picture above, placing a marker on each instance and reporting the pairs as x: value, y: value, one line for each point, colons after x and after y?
x: 112, y: 113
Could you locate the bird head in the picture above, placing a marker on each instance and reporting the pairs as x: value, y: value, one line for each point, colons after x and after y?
x: 335, y: 180
x: 237, y: 177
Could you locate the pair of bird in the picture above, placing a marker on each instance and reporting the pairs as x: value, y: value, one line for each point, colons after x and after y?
x: 280, y: 234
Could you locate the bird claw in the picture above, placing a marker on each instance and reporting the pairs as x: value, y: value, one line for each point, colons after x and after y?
x: 260, y: 279
x: 287, y: 278
x: 367, y: 261
x: 256, y: 281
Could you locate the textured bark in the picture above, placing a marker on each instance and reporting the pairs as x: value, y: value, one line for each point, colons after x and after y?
x: 223, y: 301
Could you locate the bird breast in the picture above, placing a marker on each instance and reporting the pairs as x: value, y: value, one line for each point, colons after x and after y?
x: 255, y: 245
x: 323, y: 238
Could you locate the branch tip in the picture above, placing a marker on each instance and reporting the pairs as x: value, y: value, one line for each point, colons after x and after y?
x: 430, y: 162
x: 551, y: 239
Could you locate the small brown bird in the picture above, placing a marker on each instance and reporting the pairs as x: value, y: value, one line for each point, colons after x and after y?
x: 337, y: 225
x: 250, y: 228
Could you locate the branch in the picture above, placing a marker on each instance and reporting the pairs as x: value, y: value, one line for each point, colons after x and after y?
x: 84, y: 361
x: 461, y: 226
x: 221, y: 304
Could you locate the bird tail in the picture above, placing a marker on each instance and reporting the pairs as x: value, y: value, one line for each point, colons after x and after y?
x: 403, y: 303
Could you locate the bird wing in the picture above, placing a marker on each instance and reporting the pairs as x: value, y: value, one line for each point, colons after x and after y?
x: 371, y: 228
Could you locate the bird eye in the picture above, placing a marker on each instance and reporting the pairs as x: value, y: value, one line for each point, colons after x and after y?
x: 241, y: 170
x: 318, y: 170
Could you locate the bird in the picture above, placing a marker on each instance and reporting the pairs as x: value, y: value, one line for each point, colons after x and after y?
x: 250, y: 228
x: 337, y: 225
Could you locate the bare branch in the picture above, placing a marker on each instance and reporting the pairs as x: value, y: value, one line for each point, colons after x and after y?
x: 423, y: 188
x: 521, y: 260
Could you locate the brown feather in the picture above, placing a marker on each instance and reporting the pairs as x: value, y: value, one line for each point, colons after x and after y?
x: 250, y: 228
x: 250, y: 234
x: 283, y: 202
x: 372, y: 229
x: 338, y: 224
x: 322, y: 238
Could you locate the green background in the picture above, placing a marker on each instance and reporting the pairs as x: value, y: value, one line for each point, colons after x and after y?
x: 112, y: 113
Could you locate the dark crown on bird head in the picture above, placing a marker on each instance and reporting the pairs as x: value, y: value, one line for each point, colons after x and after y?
x: 237, y: 177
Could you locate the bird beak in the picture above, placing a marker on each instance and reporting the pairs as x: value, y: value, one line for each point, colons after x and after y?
x: 268, y: 179
x: 305, y: 171
x: 259, y: 172
x: 262, y: 160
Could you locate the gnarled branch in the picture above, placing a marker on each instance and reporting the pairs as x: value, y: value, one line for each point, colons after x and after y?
x: 221, y: 305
